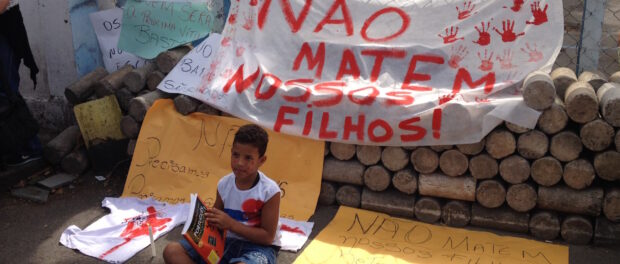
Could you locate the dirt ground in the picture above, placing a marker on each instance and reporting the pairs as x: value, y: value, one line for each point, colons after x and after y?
x: 29, y: 232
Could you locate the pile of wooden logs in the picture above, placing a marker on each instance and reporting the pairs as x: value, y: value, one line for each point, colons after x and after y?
x: 560, y: 179
x: 557, y: 180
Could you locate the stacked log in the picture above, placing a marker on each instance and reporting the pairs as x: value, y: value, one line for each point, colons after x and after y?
x: 555, y: 181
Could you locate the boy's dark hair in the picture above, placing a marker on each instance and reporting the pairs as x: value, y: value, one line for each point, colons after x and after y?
x: 253, y: 135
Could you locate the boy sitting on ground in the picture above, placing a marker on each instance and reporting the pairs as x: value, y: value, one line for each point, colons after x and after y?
x: 247, y: 205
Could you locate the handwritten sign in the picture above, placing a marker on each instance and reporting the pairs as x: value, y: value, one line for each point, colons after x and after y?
x: 99, y: 119
x: 150, y: 27
x: 107, y: 25
x: 411, y: 72
x: 187, y: 75
x: 359, y: 236
x: 177, y: 155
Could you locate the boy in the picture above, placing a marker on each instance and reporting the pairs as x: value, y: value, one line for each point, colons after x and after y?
x: 247, y: 205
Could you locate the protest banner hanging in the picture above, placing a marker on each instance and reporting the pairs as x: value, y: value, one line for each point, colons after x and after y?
x: 150, y: 27
x: 380, y: 72
x: 107, y: 25
x: 360, y: 236
x: 177, y: 155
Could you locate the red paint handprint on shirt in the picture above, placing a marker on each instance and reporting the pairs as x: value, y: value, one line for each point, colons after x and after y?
x: 139, y: 226
x: 458, y: 54
x: 467, y: 11
x: 508, y: 34
x: 540, y: 15
x: 484, y: 37
x: 450, y: 35
x: 516, y: 5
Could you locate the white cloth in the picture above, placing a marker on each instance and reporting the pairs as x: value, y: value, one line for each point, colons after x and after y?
x: 292, y: 235
x: 245, y: 205
x: 121, y: 234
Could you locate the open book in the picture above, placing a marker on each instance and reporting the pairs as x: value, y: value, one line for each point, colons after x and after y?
x: 207, y: 240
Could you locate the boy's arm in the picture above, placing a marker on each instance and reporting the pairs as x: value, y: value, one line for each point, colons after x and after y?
x: 263, y: 234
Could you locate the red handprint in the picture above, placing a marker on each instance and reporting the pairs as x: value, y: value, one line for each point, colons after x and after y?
x: 484, y: 37
x: 486, y: 62
x: 516, y: 5
x: 240, y: 51
x: 505, y: 61
x: 249, y: 21
x: 450, y: 35
x: 139, y: 226
x: 446, y: 98
x: 540, y: 15
x: 458, y: 54
x: 533, y: 52
x: 467, y: 11
x: 508, y: 34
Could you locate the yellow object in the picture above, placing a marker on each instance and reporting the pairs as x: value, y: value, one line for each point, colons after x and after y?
x: 213, y: 257
x: 359, y: 236
x: 99, y: 119
x: 177, y: 155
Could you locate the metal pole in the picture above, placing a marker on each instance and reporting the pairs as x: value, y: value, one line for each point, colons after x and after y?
x: 591, y: 31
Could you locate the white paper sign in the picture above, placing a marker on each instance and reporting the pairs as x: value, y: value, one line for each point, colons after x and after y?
x: 187, y: 75
x: 107, y: 25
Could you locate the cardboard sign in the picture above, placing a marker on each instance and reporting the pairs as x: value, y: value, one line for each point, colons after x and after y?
x: 187, y: 75
x: 359, y: 236
x: 107, y: 25
x: 411, y: 72
x: 150, y: 27
x: 99, y: 119
x: 178, y: 155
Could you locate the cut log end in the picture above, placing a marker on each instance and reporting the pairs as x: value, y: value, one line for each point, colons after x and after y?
x: 514, y: 169
x: 597, y: 135
x: 368, y: 155
x: 349, y: 195
x: 500, y: 143
x: 453, y: 163
x: 565, y: 146
x: 456, y: 213
x: 578, y: 174
x: 521, y: 197
x: 342, y: 151
x: 394, y: 158
x: 377, y: 178
x: 424, y: 160
x: 428, y: 210
x: 490, y: 194
x: 576, y: 230
x: 483, y: 166
x: 607, y: 165
x: 547, y: 171
x: 405, y: 181
x: 545, y: 225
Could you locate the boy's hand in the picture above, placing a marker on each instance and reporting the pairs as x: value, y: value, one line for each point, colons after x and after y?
x: 219, y: 218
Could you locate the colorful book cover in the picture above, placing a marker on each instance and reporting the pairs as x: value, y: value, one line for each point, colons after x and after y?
x: 207, y: 240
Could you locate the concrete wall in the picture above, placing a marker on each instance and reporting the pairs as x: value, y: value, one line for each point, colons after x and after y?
x: 49, y: 33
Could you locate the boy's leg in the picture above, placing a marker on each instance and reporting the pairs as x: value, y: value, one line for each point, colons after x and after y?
x: 254, y: 254
x: 178, y: 252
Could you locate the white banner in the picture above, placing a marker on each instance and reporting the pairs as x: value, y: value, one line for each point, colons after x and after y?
x: 411, y: 72
x: 107, y: 25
